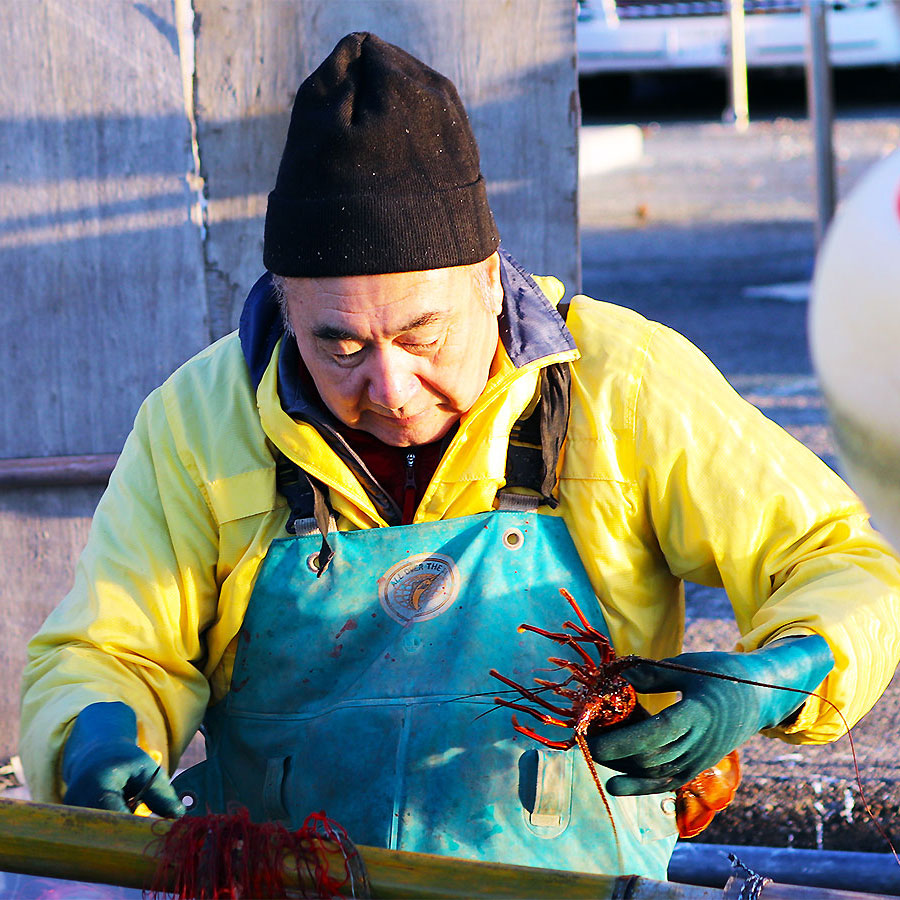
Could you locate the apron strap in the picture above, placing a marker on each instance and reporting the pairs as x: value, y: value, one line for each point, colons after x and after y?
x: 523, y: 503
x: 308, y: 500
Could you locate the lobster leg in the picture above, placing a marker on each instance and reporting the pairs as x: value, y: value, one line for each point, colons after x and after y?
x: 583, y: 674
x: 531, y: 695
x: 542, y: 717
x: 581, y: 616
x: 568, y: 693
x: 560, y: 638
x: 600, y: 697
x: 553, y: 745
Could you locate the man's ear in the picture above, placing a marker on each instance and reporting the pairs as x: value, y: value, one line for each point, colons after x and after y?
x: 495, y: 289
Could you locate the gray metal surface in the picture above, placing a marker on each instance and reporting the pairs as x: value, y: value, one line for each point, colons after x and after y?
x: 820, y: 104
x: 101, y: 291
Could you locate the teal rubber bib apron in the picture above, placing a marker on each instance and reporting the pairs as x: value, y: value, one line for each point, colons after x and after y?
x: 365, y: 693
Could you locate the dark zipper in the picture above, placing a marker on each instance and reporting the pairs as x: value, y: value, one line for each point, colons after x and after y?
x: 409, y: 490
x: 386, y: 506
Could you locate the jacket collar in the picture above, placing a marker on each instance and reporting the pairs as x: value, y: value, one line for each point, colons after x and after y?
x: 530, y: 326
x: 530, y: 329
x: 260, y: 327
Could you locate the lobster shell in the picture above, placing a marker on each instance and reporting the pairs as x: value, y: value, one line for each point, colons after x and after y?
x: 706, y: 794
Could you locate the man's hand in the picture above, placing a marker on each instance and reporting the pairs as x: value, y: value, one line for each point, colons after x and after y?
x: 713, y: 717
x: 104, y: 768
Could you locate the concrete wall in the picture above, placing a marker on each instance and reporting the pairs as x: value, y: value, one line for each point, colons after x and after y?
x: 138, y: 141
x: 102, y: 271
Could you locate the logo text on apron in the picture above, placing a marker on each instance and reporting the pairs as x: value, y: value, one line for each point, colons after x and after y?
x: 419, y: 587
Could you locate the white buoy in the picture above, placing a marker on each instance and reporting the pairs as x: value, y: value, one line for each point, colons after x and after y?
x: 854, y: 330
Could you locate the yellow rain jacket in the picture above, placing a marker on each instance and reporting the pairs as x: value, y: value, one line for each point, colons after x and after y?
x: 666, y: 475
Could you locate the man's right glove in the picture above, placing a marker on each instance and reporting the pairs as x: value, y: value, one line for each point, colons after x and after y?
x: 103, y: 767
x: 714, y: 715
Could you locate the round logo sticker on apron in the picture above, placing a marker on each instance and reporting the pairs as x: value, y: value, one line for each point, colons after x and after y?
x: 419, y: 587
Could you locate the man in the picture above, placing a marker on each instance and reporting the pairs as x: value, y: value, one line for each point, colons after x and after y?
x: 320, y: 538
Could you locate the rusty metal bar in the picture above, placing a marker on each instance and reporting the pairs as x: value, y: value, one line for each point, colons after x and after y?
x: 52, y: 471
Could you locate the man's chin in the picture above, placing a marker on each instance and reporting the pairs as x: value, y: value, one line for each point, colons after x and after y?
x: 407, y: 432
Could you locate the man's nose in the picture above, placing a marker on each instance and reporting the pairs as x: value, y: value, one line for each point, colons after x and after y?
x: 391, y: 379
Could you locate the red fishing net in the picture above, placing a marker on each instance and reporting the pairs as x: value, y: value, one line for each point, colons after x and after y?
x: 230, y: 857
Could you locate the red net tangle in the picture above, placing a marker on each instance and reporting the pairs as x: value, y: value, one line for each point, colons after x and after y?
x: 230, y: 857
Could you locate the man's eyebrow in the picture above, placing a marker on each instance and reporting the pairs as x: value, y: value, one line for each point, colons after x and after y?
x: 336, y: 333
x: 429, y: 318
x: 330, y: 333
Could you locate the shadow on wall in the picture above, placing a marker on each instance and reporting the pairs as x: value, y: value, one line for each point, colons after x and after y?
x: 76, y: 190
x: 42, y: 532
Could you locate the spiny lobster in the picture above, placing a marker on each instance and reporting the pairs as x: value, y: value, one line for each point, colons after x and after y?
x: 600, y: 697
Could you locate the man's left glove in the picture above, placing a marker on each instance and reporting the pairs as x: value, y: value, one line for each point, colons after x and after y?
x: 714, y: 715
x: 103, y: 767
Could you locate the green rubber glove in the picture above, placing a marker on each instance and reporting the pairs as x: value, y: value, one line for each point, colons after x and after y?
x: 713, y: 717
x: 104, y: 768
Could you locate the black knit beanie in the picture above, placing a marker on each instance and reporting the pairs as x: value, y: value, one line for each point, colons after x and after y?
x: 380, y: 171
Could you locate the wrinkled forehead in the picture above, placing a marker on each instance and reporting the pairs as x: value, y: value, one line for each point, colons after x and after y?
x: 390, y: 302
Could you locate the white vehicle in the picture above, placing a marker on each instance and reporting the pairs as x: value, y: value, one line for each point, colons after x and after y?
x: 654, y: 35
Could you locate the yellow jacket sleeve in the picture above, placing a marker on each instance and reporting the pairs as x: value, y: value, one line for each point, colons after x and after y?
x: 736, y: 502
x: 131, y: 627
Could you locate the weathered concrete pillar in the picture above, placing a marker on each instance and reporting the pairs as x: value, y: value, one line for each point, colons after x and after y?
x: 102, y: 291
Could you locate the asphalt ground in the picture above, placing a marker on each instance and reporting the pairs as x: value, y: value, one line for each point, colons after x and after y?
x: 711, y: 232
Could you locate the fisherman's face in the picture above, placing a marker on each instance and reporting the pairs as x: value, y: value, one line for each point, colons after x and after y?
x: 403, y: 355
